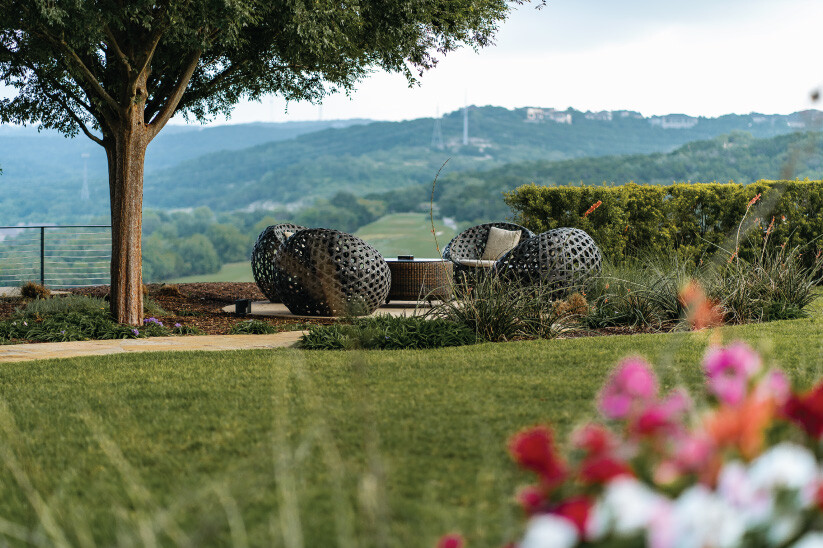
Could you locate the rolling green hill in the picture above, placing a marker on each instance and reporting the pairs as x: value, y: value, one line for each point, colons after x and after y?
x: 390, y: 155
x: 738, y: 157
x: 266, y: 165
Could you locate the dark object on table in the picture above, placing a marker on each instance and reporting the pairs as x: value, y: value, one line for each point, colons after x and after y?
x: 466, y: 250
x: 321, y: 272
x: 565, y: 257
x: 421, y: 279
x: 242, y: 307
x: 263, y: 253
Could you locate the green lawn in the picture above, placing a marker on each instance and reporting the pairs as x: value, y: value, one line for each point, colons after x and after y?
x: 406, y: 234
x: 230, y: 272
x: 318, y: 449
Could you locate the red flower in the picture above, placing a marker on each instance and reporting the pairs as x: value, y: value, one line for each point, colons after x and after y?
x: 533, y: 449
x: 576, y: 510
x: 453, y: 540
x: 531, y: 499
x: 807, y: 410
x: 594, y: 439
x: 598, y: 470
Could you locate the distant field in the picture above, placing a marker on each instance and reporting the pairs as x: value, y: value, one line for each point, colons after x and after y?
x: 231, y: 272
x: 406, y: 234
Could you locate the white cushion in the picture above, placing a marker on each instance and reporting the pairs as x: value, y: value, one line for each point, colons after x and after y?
x: 288, y: 234
x: 477, y: 263
x: 499, y: 243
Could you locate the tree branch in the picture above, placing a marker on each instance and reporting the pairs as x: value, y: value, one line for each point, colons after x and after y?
x: 168, y: 109
x: 117, y: 49
x: 76, y: 118
x: 88, y: 76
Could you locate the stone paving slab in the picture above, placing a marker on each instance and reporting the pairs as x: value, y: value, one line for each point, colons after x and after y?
x: 46, y: 351
x: 279, y: 310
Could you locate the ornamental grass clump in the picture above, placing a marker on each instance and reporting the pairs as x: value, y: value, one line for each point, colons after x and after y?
x: 497, y: 309
x: 744, y: 469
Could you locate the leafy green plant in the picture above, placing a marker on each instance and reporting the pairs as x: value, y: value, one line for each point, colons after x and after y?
x: 388, y: 332
x: 152, y: 308
x: 253, y: 327
x: 65, y: 304
x: 180, y: 329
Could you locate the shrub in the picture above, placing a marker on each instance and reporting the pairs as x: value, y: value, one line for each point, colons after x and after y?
x: 252, y: 327
x: 688, y: 220
x: 31, y: 290
x: 387, y: 332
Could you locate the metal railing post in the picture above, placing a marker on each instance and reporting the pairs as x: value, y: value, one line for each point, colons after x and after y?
x: 42, y: 255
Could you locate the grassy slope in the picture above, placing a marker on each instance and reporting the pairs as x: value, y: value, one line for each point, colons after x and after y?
x: 229, y: 272
x: 406, y: 234
x: 378, y: 448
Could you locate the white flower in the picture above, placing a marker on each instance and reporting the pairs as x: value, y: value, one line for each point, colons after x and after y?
x: 786, y: 466
x: 626, y: 508
x: 549, y: 531
x: 754, y: 505
x: 703, y: 519
x: 811, y: 540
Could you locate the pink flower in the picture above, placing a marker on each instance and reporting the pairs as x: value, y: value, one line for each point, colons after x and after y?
x: 632, y: 385
x: 775, y: 385
x: 729, y: 370
x: 663, y: 417
x: 576, y: 510
x: 453, y: 540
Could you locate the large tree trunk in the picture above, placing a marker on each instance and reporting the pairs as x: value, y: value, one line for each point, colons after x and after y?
x: 126, y: 152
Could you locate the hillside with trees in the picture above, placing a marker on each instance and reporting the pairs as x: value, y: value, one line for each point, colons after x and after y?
x: 737, y: 157
x: 292, y: 164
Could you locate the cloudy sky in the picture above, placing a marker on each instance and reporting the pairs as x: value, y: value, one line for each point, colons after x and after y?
x: 698, y: 57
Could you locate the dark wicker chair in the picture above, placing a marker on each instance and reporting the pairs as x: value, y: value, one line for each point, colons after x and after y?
x: 321, y: 272
x: 263, y: 253
x: 470, y: 244
x: 564, y: 257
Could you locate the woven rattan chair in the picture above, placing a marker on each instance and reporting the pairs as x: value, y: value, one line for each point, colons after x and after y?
x: 263, y: 253
x: 467, y: 247
x: 564, y: 257
x: 321, y: 272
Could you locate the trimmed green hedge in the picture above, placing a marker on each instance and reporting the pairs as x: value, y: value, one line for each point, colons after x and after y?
x: 689, y: 220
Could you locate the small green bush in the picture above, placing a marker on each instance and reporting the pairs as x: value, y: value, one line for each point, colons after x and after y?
x: 65, y: 304
x: 253, y: 327
x: 31, y: 290
x: 387, y: 333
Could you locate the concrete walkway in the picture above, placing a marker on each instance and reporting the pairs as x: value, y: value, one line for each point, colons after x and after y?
x: 46, y: 351
x: 279, y: 310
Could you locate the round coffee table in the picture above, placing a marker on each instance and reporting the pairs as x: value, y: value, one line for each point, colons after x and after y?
x: 415, y: 279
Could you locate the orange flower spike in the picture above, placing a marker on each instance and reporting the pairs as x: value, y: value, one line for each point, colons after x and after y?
x: 771, y: 226
x: 594, y: 206
x: 701, y: 311
x: 753, y: 201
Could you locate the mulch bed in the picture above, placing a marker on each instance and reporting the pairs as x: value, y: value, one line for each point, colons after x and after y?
x: 201, y: 305
x: 196, y: 304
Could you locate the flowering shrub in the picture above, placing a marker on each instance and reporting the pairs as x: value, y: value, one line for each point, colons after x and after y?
x: 659, y: 473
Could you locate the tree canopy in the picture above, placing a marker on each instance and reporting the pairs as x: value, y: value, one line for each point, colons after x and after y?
x: 118, y: 70
x: 78, y: 64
